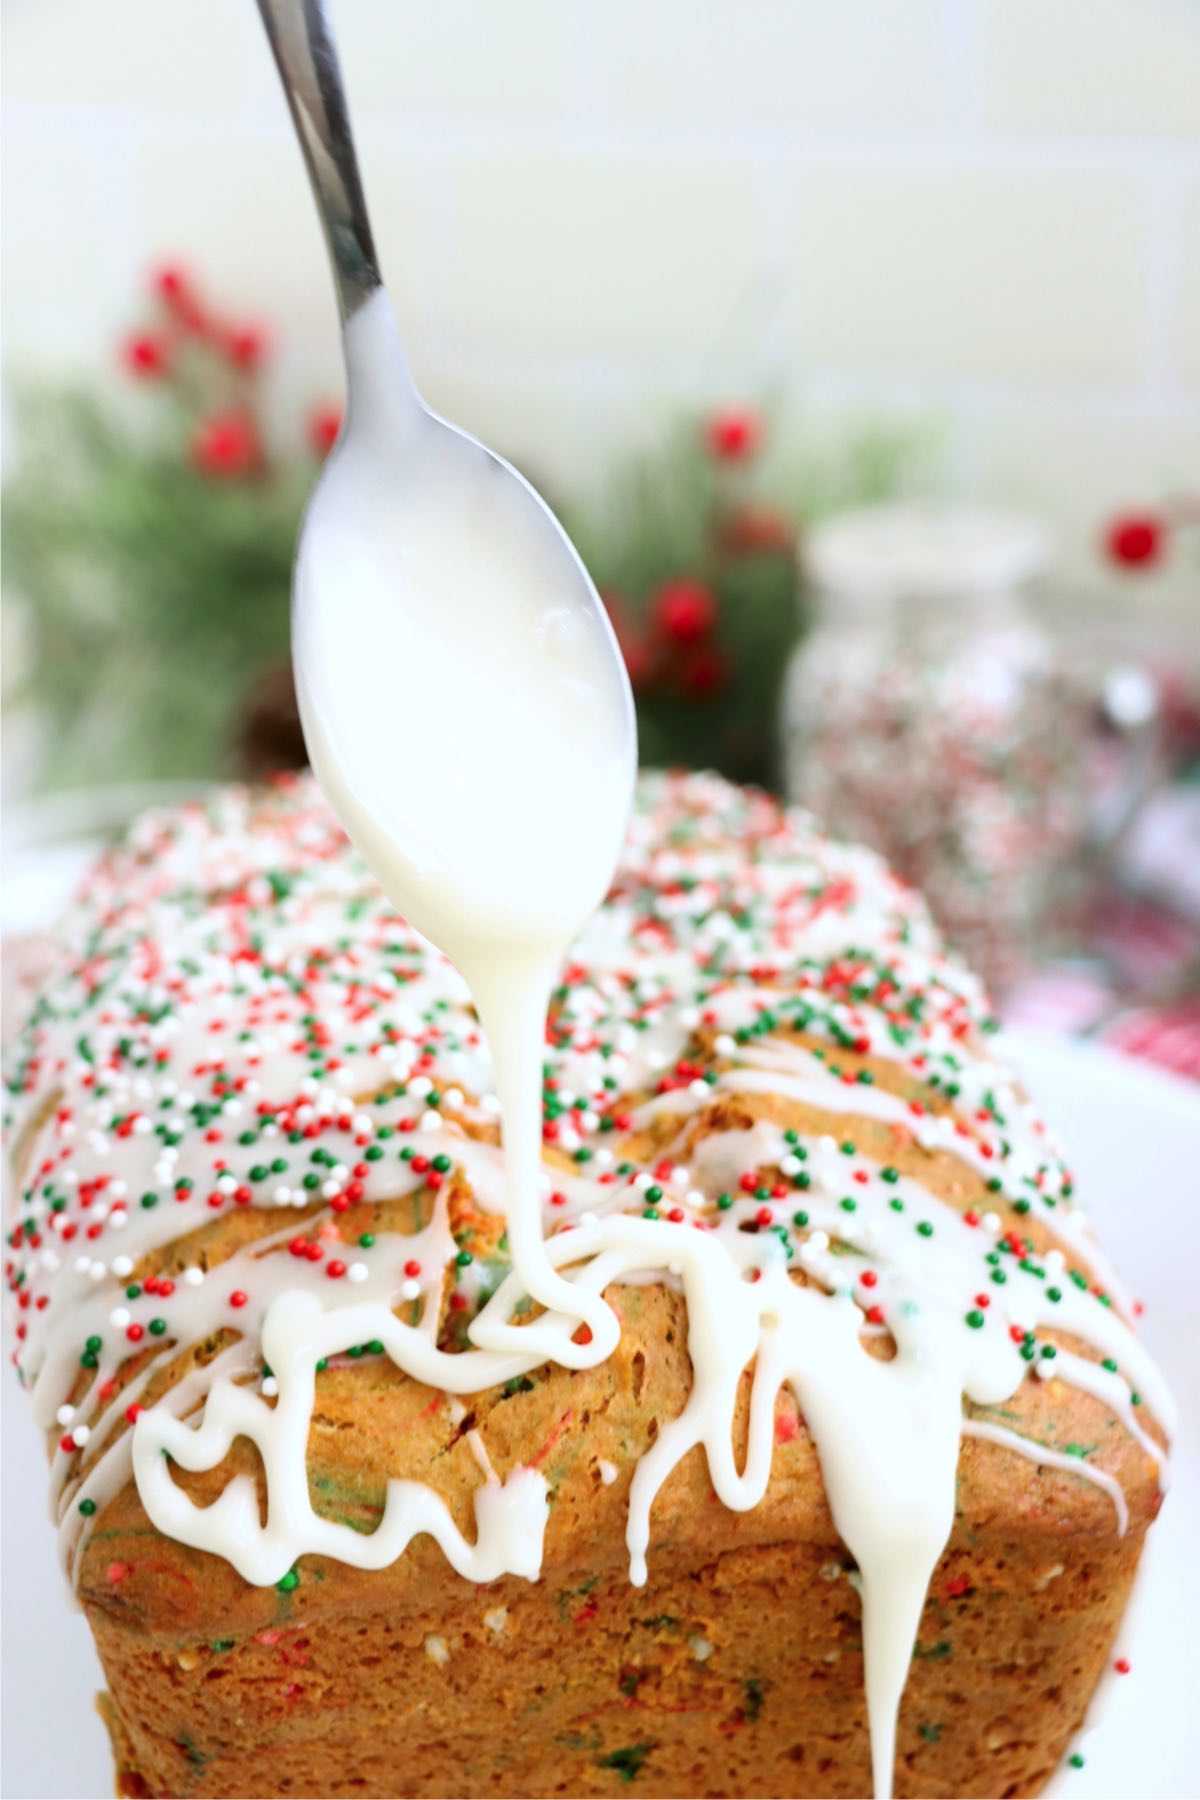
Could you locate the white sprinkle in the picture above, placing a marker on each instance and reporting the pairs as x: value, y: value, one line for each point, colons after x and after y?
x: 496, y: 1619
x: 356, y: 1272
x: 431, y: 1121
x: 420, y: 1085
x: 193, y: 1276
x: 410, y: 1290
x: 81, y: 1434
x: 98, y: 1271
x: 270, y: 1387
x: 437, y: 1650
x: 65, y: 1414
x: 120, y: 1317
x: 608, y: 1470
x: 700, y: 1648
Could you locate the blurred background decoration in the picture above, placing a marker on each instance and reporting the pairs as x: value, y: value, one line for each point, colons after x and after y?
x: 710, y: 275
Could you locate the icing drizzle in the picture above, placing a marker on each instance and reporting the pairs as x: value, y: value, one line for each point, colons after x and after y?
x: 238, y: 1023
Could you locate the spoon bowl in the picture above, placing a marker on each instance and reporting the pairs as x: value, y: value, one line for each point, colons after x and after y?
x: 464, y: 700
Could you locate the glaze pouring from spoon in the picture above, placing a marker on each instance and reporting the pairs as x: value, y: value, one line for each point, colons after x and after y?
x: 428, y: 568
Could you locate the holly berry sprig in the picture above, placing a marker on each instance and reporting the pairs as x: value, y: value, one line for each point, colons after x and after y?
x: 213, y: 365
x: 676, y: 641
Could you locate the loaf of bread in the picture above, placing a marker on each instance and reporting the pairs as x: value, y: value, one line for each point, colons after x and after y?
x: 877, y: 1432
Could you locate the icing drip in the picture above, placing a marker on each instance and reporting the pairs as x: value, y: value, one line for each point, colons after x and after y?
x: 240, y: 1024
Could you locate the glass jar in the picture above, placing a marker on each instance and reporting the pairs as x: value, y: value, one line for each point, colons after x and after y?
x: 929, y: 715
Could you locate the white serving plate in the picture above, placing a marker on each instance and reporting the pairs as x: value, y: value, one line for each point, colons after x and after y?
x: 1134, y: 1136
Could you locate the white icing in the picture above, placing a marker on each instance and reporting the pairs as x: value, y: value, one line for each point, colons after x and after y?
x: 1052, y: 1459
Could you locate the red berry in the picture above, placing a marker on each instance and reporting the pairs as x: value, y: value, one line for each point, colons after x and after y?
x: 684, y: 610
x: 324, y: 423
x: 1136, y: 539
x: 226, y: 444
x: 174, y: 287
x: 246, y: 346
x: 145, y: 356
x: 733, y: 433
x: 171, y: 282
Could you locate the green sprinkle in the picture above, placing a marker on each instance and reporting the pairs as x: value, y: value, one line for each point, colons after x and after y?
x: 288, y: 1582
x: 627, y: 1762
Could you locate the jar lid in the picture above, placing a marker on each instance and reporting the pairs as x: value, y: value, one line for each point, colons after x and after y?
x: 896, y: 552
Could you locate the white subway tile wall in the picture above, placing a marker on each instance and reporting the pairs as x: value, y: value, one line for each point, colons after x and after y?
x: 980, y: 213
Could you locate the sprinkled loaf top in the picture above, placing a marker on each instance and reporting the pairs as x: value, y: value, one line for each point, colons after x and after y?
x: 251, y: 1108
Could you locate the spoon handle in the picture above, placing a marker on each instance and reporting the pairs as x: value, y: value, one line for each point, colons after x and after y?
x: 302, y: 41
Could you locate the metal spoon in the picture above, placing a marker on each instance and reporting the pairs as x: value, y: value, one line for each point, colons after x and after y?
x: 540, y: 595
